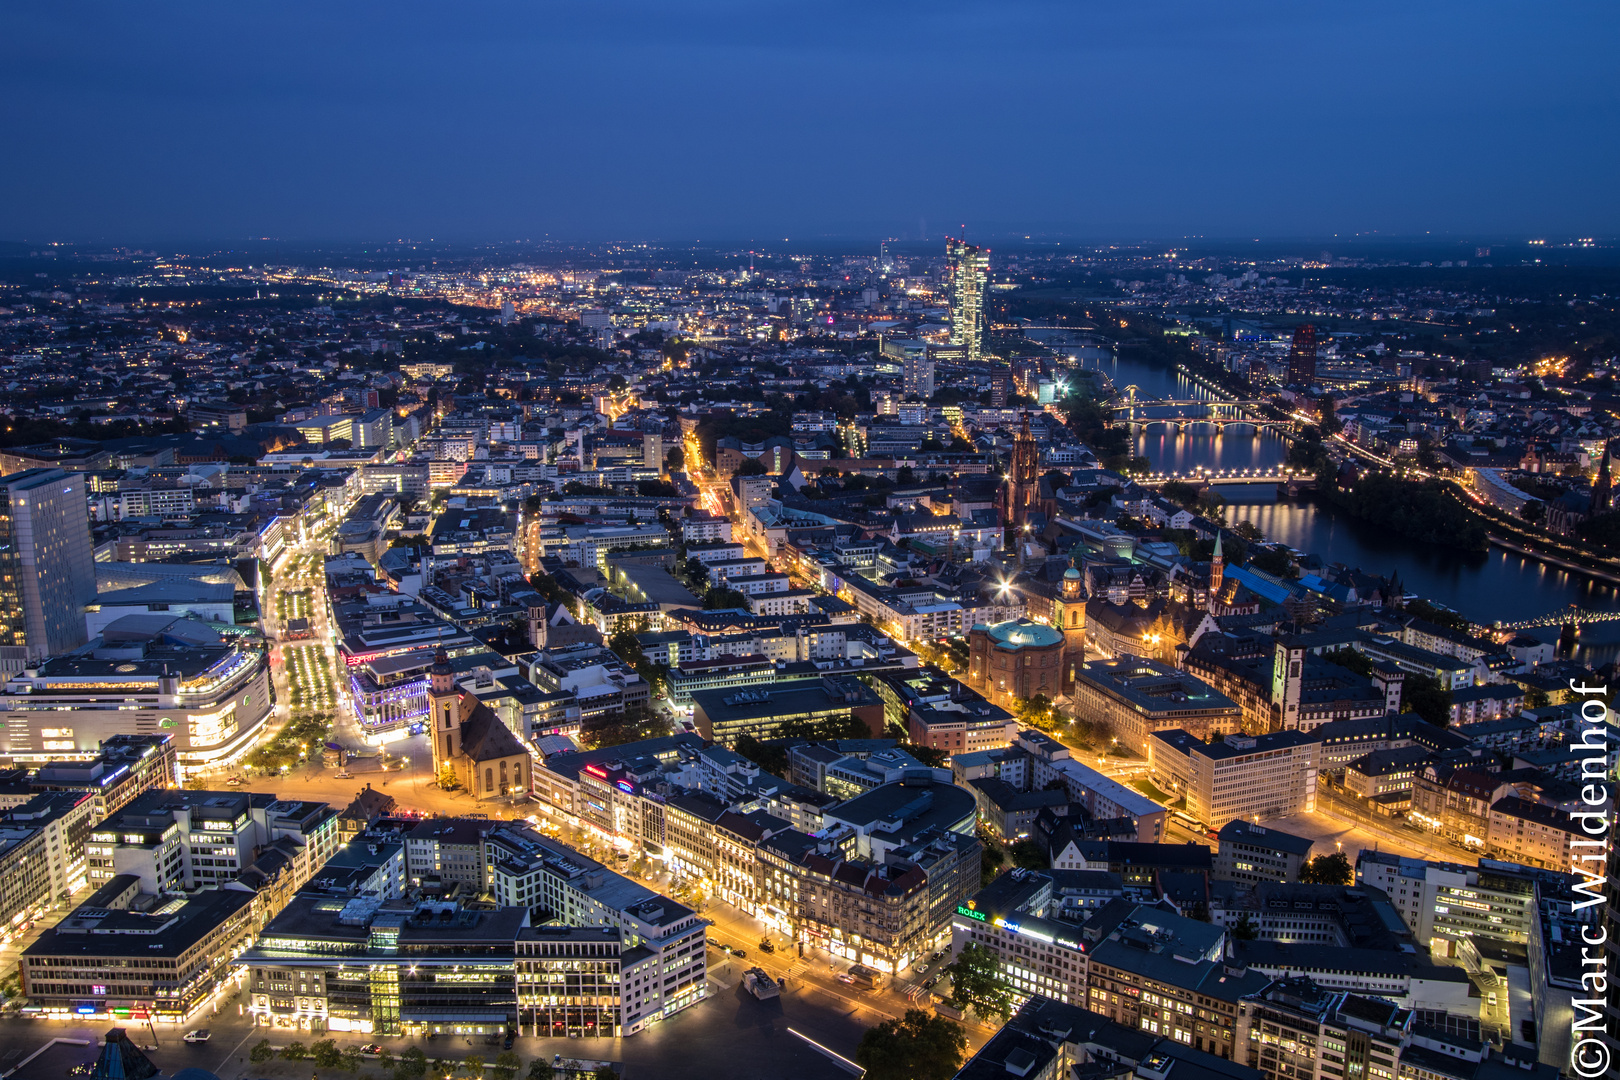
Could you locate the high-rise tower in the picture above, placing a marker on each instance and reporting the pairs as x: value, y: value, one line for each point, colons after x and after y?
x: 47, y: 565
x: 969, y: 271
x: 1302, y: 356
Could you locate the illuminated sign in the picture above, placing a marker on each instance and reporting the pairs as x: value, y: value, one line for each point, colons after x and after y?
x: 625, y: 786
x: 969, y: 912
x: 597, y: 771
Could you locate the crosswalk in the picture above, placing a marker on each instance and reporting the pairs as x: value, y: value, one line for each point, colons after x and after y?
x: 799, y: 968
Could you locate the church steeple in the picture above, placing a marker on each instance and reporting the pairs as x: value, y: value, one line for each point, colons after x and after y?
x: 1217, y: 574
x: 1603, y: 487
x: 444, y: 712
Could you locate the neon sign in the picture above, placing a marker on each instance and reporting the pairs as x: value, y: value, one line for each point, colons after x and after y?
x: 969, y: 912
x: 597, y: 771
x: 625, y: 786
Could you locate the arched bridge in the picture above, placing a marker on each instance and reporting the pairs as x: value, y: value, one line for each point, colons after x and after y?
x: 1566, y: 617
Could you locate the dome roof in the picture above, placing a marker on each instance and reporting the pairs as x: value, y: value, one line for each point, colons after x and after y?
x: 1023, y: 634
x: 1071, y: 574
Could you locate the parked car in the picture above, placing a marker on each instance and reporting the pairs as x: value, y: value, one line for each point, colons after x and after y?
x: 201, y: 1035
x: 739, y: 953
x: 765, y: 946
x: 371, y: 1050
x: 846, y: 978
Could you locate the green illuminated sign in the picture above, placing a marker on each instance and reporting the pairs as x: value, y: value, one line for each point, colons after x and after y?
x: 969, y: 912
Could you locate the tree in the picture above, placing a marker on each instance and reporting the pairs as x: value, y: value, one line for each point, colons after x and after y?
x: 294, y: 1051
x: 1423, y: 695
x: 326, y: 1054
x: 506, y: 1065
x: 349, y: 1059
x: 261, y: 1052
x: 540, y: 1069
x: 977, y: 983
x: 1350, y: 658
x: 385, y: 1060
x: 474, y: 1064
x: 604, y: 1072
x: 720, y: 598
x: 1331, y: 869
x: 413, y: 1062
x: 750, y: 467
x: 1244, y: 929
x: 1030, y: 855
x: 675, y: 460
x: 918, y: 1047
x: 447, y: 777
x: 1534, y: 511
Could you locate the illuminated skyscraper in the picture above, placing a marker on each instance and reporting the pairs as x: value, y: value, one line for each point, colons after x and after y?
x: 969, y: 270
x: 1302, y: 356
x: 47, y: 565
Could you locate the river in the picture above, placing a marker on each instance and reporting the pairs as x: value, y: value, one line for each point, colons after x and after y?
x: 1486, y: 587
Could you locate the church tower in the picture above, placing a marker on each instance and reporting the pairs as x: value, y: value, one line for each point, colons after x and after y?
x: 1071, y: 612
x: 444, y: 713
x: 1024, y: 480
x: 1603, y: 487
x: 1217, y: 574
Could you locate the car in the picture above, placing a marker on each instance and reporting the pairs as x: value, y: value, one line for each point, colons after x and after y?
x: 766, y: 946
x: 371, y: 1050
x: 739, y: 953
x: 929, y: 985
x: 506, y: 1044
x: 233, y: 781
x: 201, y: 1035
x: 846, y: 978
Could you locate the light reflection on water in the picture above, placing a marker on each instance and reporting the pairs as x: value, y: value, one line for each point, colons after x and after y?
x: 1486, y: 587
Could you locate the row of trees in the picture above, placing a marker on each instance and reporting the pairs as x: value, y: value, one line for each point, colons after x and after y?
x: 413, y: 1064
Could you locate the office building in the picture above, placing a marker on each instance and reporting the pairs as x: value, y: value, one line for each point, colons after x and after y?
x: 661, y: 956
x: 969, y: 269
x: 725, y: 715
x: 1251, y: 853
x: 1135, y: 697
x: 1244, y: 776
x: 47, y: 565
x: 128, y: 765
x: 122, y: 954
x: 1295, y: 1029
x: 1165, y: 974
x: 1492, y: 902
x: 1302, y: 356
x: 183, y: 840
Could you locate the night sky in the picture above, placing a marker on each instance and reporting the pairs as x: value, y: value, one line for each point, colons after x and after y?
x: 135, y: 122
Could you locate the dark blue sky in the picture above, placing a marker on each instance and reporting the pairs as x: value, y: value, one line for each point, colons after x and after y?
x: 337, y: 120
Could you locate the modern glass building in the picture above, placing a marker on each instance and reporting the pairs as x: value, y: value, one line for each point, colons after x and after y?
x: 47, y: 565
